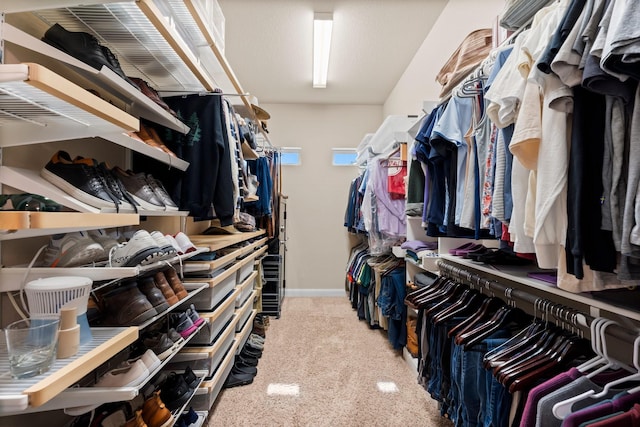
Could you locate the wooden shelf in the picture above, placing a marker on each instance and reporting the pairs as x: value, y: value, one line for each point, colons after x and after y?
x: 41, y: 106
x: 29, y: 223
x: 14, y: 220
x: 215, y: 242
x: 18, y: 395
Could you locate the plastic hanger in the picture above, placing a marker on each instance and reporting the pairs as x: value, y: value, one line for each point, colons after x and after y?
x: 562, y: 409
x: 599, y: 358
x: 633, y: 377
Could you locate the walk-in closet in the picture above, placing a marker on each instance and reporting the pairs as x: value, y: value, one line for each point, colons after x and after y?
x: 319, y: 213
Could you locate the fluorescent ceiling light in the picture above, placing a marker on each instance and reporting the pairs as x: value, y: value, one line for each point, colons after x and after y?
x: 322, y: 26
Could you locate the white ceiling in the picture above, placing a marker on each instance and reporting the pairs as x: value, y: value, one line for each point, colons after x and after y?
x: 269, y: 47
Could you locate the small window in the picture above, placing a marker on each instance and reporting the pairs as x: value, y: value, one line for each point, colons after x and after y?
x: 343, y: 156
x: 290, y: 156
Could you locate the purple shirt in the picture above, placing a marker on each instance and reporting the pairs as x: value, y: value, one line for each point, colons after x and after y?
x: 622, y: 402
x: 540, y: 391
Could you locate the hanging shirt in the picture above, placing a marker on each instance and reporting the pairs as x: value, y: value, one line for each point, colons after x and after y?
x: 450, y: 128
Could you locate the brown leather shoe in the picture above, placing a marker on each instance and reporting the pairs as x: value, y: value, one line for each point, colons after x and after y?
x: 155, y: 413
x: 176, y: 283
x: 163, y: 285
x: 136, y: 421
x: 125, y: 305
x: 149, y: 136
x: 153, y: 294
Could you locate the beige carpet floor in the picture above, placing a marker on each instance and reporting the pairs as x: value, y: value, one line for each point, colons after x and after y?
x: 337, y: 362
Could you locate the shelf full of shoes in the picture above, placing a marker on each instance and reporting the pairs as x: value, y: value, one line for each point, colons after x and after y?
x: 153, y: 305
x: 58, y: 109
x: 227, y: 304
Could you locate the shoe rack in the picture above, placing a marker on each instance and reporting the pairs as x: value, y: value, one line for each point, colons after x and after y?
x: 45, y: 104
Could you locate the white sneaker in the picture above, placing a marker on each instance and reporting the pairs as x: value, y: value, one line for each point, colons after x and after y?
x: 174, y: 243
x: 72, y: 250
x: 129, y: 376
x: 141, y: 249
x: 164, y: 244
x: 185, y: 244
x: 149, y: 359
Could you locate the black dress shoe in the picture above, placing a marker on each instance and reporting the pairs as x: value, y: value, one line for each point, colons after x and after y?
x: 84, y: 47
x: 237, y: 379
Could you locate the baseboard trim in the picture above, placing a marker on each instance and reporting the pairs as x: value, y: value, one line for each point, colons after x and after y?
x: 293, y: 293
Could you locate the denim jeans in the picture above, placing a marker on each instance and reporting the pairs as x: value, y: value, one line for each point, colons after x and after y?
x: 391, y: 302
x: 497, y: 400
x: 477, y: 398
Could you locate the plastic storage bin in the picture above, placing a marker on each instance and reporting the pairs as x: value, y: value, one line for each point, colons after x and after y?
x: 216, y: 321
x: 246, y: 288
x: 219, y: 288
x: 246, y: 270
x: 244, y: 313
x: 205, y: 359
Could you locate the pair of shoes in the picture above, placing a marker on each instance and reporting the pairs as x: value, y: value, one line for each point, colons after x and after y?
x: 152, y: 94
x: 155, y: 413
x: 250, y: 351
x: 177, y: 389
x: 71, y: 250
x: 149, y: 358
x: 150, y: 136
x: 163, y: 344
x: 147, y: 191
x: 240, y: 376
x: 502, y: 257
x: 141, y: 249
x: 155, y: 296
x: 129, y: 376
x: 255, y: 342
x: 126, y: 305
x: 176, y: 284
x: 186, y: 323
x: 181, y: 243
x: 80, y: 179
x: 84, y: 47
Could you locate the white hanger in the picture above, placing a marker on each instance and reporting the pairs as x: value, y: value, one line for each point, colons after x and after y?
x: 632, y: 377
x: 562, y: 409
x: 595, y: 346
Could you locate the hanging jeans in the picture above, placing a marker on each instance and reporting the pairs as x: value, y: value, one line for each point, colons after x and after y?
x: 391, y: 302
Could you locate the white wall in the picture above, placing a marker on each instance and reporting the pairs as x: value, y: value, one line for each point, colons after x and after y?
x: 318, y: 244
x: 418, y: 84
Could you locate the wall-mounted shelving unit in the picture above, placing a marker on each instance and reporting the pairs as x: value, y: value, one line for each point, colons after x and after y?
x: 45, y: 97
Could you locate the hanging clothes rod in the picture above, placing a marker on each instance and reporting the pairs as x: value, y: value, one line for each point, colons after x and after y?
x: 581, y: 320
x: 186, y: 92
